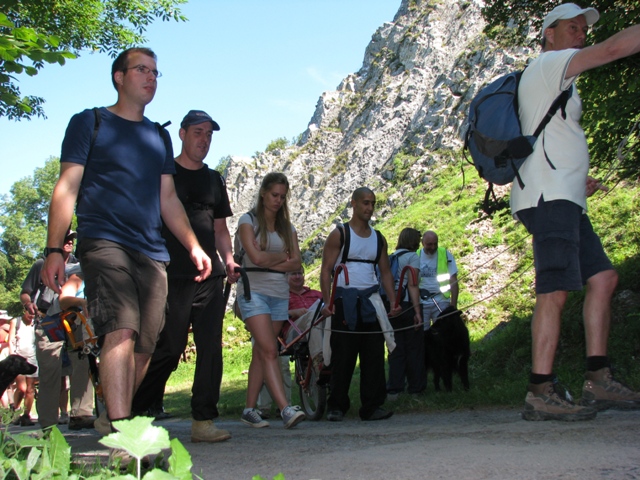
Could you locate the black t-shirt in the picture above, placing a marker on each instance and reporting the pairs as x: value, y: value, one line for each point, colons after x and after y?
x: 204, y: 195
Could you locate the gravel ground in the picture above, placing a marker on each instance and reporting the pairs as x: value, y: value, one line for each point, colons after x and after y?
x: 471, y: 444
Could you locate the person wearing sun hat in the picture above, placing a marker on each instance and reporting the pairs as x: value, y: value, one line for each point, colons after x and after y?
x: 568, y: 254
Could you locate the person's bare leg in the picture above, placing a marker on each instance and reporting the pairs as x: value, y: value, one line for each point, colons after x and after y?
x: 118, y: 372
x: 19, y: 392
x: 63, y: 399
x: 264, y: 361
x: 29, y: 395
x: 142, y: 364
x: 545, y: 330
x: 597, y: 311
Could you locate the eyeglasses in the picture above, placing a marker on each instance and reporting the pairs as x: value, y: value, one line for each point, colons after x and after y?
x: 144, y: 70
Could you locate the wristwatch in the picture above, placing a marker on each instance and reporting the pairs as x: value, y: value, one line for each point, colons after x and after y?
x: 49, y: 250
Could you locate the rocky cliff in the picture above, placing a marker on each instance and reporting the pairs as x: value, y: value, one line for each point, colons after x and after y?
x: 403, y: 110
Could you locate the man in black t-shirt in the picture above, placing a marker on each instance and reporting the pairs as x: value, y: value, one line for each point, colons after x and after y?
x: 203, y: 193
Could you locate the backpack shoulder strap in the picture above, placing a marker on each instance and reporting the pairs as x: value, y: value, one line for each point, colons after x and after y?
x: 345, y: 240
x: 380, y: 244
x: 560, y: 103
x: 96, y: 127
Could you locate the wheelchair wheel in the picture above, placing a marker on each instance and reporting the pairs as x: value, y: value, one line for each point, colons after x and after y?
x: 312, y: 395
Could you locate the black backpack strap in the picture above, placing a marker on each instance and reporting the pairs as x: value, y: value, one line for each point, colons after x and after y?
x: 559, y: 103
x: 345, y: 241
x: 380, y: 243
x: 96, y: 128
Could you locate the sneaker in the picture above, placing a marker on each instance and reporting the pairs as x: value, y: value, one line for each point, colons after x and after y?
x: 206, y: 431
x: 549, y: 401
x: 335, y: 416
x: 264, y: 413
x: 291, y: 416
x: 601, y: 392
x: 80, y: 422
x: 393, y: 396
x: 252, y: 418
x: 102, y: 424
x: 159, y: 413
x: 379, y: 414
x: 63, y: 419
x: 23, y: 421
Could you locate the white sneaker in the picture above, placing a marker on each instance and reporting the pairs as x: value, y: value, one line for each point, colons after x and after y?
x: 252, y: 418
x: 292, y: 415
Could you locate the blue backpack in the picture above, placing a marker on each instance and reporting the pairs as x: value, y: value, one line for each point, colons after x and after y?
x: 494, y: 135
x: 394, y: 266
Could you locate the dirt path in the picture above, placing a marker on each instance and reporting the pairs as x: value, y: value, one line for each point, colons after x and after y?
x: 477, y: 444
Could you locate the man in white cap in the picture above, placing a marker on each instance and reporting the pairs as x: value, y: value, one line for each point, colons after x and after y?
x: 568, y: 254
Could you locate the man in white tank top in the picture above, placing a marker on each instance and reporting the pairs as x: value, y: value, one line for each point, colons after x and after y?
x: 357, y: 314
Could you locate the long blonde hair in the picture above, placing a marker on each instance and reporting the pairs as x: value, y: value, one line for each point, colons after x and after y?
x: 283, y: 222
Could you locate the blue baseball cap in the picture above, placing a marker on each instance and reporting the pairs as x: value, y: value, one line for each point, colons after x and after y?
x: 196, y: 117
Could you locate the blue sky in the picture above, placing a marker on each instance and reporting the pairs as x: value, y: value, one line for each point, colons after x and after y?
x: 257, y: 67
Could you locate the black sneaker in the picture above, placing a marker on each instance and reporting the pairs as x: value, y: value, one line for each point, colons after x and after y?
x: 379, y: 414
x: 78, y: 423
x: 335, y: 416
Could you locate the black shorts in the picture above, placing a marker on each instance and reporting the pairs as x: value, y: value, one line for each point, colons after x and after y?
x: 566, y: 250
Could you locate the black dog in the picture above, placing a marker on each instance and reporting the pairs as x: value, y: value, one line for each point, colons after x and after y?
x: 447, y: 349
x: 11, y: 367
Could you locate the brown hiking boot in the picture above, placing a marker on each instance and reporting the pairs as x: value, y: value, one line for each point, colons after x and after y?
x: 549, y: 401
x: 601, y: 392
x: 206, y: 431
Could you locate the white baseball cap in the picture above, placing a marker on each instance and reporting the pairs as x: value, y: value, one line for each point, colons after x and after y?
x: 567, y: 11
x: 4, y: 315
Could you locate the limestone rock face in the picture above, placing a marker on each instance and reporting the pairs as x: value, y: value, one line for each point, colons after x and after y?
x: 405, y: 106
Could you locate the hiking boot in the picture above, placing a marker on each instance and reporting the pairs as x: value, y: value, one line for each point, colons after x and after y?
x: 121, y: 459
x: 291, y: 416
x: 549, y: 401
x: 80, y: 422
x: 252, y: 418
x: 102, y: 424
x: 206, y: 431
x: 601, y: 392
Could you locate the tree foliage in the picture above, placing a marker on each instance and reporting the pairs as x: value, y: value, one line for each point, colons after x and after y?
x: 35, y: 32
x: 23, y: 221
x: 610, y: 94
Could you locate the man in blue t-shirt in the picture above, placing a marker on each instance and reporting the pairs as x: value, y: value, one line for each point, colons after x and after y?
x: 118, y: 166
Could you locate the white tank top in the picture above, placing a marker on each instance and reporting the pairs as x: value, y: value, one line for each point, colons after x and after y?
x: 361, y: 275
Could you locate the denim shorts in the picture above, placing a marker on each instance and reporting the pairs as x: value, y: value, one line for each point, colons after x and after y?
x: 566, y: 250
x: 261, y: 304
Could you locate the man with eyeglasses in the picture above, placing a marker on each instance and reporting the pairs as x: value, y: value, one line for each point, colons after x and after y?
x: 118, y: 165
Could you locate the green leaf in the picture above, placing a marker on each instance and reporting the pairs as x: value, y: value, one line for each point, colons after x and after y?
x: 157, y: 474
x: 138, y: 437
x: 180, y: 461
x: 59, y: 451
